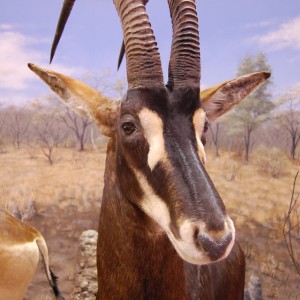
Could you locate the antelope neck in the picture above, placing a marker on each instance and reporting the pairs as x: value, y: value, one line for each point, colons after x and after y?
x: 131, y: 262
x: 136, y: 260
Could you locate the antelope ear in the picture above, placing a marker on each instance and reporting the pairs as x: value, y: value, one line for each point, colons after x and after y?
x: 219, y: 99
x: 81, y: 98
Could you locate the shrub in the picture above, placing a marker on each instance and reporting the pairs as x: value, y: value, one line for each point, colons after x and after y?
x: 271, y: 161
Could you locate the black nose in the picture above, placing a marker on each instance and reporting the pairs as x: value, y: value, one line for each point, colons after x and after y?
x: 214, y: 248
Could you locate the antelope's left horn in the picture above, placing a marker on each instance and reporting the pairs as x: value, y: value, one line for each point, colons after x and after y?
x: 184, y: 66
x: 142, y: 56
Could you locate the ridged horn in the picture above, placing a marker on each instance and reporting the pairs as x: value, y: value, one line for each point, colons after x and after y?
x: 63, y: 18
x: 122, y: 50
x: 184, y: 66
x: 142, y: 56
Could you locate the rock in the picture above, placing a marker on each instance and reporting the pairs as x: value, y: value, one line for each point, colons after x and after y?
x: 254, y: 290
x: 86, y: 285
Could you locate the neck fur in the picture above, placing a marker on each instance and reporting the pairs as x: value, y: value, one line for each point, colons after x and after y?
x: 136, y: 260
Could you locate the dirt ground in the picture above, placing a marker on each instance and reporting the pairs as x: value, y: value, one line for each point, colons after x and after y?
x: 68, y: 197
x: 266, y: 255
x: 61, y: 229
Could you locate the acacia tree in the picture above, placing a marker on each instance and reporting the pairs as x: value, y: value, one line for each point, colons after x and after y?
x: 49, y: 133
x: 73, y: 122
x: 253, y: 111
x: 3, y: 116
x: 288, y: 117
x: 291, y: 227
x: 19, y: 123
x: 214, y: 129
x: 78, y: 124
x: 106, y: 83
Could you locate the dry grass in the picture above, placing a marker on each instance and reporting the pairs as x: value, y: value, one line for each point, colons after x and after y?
x: 251, y: 194
x: 258, y: 202
x: 255, y: 200
x: 271, y: 161
x: 76, y: 177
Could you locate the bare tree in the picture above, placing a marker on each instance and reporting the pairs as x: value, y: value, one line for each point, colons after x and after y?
x: 291, y: 226
x: 19, y: 124
x: 107, y: 82
x: 78, y: 125
x: 288, y: 117
x: 214, y: 130
x: 3, y: 117
x: 49, y: 134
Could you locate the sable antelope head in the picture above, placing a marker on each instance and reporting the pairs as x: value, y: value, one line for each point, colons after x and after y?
x: 157, y: 130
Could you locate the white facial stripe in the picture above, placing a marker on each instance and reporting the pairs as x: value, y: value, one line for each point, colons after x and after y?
x: 229, y: 227
x: 152, y: 205
x: 186, y: 246
x: 157, y: 209
x: 153, y: 129
x: 199, y: 121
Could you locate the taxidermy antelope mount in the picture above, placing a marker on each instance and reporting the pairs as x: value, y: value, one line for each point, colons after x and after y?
x: 164, y: 232
x: 20, y: 245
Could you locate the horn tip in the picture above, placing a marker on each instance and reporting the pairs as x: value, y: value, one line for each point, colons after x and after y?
x: 267, y: 74
x: 30, y: 66
x: 52, y: 54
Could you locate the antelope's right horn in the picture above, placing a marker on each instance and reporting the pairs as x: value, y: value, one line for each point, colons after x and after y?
x: 64, y: 15
x: 184, y: 66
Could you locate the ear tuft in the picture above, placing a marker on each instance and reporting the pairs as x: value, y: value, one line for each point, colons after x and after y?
x: 49, y: 77
x: 81, y: 98
x: 221, y: 98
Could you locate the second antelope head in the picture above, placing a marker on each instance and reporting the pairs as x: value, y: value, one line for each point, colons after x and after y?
x: 156, y: 131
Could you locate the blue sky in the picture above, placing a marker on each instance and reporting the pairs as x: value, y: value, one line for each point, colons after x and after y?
x: 228, y: 31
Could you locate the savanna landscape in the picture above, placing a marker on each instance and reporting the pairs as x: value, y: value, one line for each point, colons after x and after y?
x: 55, y: 159
x: 52, y: 161
x: 67, y: 196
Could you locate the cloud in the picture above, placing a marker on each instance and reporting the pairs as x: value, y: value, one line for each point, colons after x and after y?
x: 16, y: 50
x: 261, y: 24
x: 286, y: 36
x: 6, y: 26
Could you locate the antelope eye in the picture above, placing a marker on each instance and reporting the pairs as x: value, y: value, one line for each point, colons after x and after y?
x: 128, y: 128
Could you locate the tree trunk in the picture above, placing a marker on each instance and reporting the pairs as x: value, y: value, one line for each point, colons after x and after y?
x: 215, y: 138
x: 247, y: 141
x: 295, y: 141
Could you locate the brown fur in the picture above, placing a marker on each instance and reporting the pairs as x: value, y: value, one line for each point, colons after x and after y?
x: 20, y: 245
x: 136, y: 260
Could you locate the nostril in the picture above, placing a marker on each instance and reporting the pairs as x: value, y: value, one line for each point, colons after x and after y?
x: 215, y: 249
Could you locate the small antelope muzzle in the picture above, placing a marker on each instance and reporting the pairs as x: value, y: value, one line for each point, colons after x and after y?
x: 214, y: 248
x: 216, y: 244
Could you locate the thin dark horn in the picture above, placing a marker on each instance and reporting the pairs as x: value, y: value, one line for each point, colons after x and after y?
x: 184, y: 66
x: 64, y: 15
x: 142, y: 56
x: 121, y: 55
